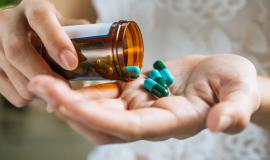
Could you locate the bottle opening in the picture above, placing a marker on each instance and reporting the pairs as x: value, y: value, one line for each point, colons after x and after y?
x: 130, y: 48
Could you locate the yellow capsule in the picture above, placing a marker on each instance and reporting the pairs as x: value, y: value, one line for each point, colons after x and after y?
x: 100, y: 63
x: 110, y: 59
x: 110, y: 70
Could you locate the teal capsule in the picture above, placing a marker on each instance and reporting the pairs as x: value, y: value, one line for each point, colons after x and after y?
x: 165, y: 73
x: 155, y: 88
x: 133, y: 71
x: 155, y: 75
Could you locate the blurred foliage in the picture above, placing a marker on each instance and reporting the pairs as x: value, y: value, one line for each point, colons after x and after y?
x: 6, y: 3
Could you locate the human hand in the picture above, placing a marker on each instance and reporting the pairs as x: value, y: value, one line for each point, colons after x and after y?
x: 216, y: 92
x: 19, y: 61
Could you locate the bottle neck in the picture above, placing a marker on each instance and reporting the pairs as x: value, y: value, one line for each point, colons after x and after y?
x: 127, y: 49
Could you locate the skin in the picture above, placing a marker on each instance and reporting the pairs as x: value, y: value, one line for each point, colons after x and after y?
x: 215, y: 92
x: 204, y: 95
x: 261, y: 116
x: 21, y: 28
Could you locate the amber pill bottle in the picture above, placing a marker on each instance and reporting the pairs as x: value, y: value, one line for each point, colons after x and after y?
x: 104, y: 50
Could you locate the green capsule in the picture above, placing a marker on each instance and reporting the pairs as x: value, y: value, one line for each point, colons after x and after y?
x: 155, y: 88
x: 165, y: 73
x: 155, y: 75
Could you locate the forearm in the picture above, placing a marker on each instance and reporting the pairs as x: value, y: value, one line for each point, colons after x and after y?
x: 262, y: 116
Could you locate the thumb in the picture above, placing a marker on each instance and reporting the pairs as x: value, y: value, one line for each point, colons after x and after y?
x: 232, y: 114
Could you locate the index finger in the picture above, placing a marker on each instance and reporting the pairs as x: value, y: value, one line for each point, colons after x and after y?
x: 41, y: 16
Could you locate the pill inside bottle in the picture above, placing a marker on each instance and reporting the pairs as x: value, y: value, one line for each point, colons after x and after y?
x: 104, y: 51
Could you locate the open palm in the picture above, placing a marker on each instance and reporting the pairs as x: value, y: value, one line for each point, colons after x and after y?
x: 216, y: 92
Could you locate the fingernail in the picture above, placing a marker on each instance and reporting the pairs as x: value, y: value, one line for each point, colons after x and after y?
x: 68, y: 59
x: 224, y: 123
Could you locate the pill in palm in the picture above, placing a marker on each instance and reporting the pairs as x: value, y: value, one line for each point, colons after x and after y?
x: 165, y: 73
x: 155, y: 88
x: 155, y: 75
x: 133, y: 71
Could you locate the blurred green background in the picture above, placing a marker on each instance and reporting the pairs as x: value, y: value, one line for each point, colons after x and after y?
x: 30, y: 133
x: 5, y: 3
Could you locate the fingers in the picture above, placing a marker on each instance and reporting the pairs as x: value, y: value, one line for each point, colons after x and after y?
x: 84, y: 129
x: 60, y: 91
x: 18, y: 80
x: 238, y: 97
x: 9, y: 92
x: 18, y: 58
x: 153, y: 123
x: 188, y: 116
x: 43, y: 20
x: 21, y: 55
x: 127, y: 125
x: 105, y: 90
x: 55, y: 91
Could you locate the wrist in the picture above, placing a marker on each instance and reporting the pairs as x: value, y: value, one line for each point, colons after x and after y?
x: 261, y: 116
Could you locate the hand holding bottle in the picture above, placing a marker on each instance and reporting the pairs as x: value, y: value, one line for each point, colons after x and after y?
x: 19, y: 61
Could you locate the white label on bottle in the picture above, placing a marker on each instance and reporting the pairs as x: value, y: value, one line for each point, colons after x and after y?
x: 88, y: 31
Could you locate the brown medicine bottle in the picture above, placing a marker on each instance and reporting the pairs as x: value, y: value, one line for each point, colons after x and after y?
x: 104, y: 50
